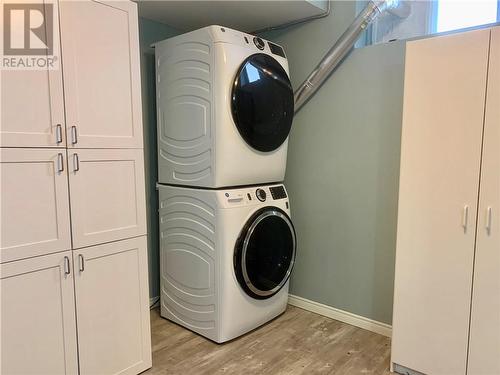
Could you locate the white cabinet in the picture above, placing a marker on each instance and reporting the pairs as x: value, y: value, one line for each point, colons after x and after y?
x: 442, y: 158
x: 112, y: 308
x: 100, y: 52
x: 34, y: 203
x: 38, y: 316
x: 107, y: 195
x: 84, y: 206
x: 484, y: 347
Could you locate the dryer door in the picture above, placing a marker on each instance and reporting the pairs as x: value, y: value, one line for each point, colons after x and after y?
x: 265, y: 253
x: 262, y: 102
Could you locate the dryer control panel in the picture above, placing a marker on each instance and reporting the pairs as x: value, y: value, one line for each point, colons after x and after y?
x: 221, y: 34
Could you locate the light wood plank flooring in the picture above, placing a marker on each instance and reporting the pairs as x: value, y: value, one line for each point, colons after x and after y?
x: 297, y: 342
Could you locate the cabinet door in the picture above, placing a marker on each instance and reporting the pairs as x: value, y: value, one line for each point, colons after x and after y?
x: 32, y: 112
x: 100, y: 51
x: 34, y: 203
x: 445, y: 81
x: 112, y: 306
x: 38, y: 316
x: 484, y: 347
x: 107, y: 195
x: 32, y: 105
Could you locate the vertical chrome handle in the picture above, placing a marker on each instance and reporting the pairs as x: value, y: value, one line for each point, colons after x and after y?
x: 59, y: 134
x: 76, y: 163
x: 67, y: 269
x: 488, y: 220
x: 465, y: 217
x: 74, y: 135
x: 60, y: 162
x: 82, y: 262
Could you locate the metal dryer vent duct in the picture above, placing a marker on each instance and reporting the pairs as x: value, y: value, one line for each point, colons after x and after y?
x: 344, y: 44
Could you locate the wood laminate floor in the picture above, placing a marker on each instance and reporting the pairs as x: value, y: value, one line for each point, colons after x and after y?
x: 297, y: 342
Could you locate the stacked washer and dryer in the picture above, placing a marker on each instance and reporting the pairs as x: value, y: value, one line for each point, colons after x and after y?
x: 227, y: 243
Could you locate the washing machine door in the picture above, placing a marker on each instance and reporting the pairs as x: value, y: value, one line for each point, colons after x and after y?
x: 264, y: 254
x: 262, y: 102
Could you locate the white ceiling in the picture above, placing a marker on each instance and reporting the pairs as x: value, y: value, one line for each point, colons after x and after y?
x: 246, y: 15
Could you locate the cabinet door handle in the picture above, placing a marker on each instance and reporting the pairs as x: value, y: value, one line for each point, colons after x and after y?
x: 76, y: 163
x: 465, y: 217
x: 82, y: 262
x: 59, y: 134
x: 60, y: 162
x: 67, y: 269
x: 488, y: 220
x: 74, y: 135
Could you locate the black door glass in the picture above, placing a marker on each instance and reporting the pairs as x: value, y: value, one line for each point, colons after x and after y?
x: 262, y: 102
x: 270, y: 251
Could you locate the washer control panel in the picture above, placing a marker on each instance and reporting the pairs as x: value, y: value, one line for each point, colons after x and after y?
x: 251, y: 195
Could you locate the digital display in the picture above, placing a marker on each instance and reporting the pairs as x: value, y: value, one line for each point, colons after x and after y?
x: 277, y: 192
x: 277, y: 50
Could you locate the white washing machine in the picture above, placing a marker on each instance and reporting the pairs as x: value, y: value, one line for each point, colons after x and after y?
x: 226, y: 257
x: 225, y: 109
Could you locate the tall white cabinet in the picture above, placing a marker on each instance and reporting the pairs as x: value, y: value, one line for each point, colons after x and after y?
x: 447, y: 287
x: 73, y: 257
x: 484, y: 347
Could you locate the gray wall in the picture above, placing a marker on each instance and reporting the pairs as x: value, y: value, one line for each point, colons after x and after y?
x: 343, y: 169
x: 150, y: 32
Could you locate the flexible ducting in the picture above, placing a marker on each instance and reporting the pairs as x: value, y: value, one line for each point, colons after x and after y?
x: 343, y: 45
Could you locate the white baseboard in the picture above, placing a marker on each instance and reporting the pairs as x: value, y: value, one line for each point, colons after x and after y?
x: 341, y: 315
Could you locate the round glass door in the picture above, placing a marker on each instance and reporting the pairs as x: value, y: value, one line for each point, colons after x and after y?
x: 265, y: 253
x: 262, y: 102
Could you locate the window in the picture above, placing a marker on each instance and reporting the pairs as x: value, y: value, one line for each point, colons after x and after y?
x: 429, y: 17
x: 453, y: 14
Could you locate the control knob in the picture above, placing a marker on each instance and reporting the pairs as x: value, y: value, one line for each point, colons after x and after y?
x: 261, y: 195
x: 259, y: 43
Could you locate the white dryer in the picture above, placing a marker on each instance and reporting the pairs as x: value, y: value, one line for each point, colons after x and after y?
x: 225, y: 109
x: 226, y: 257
